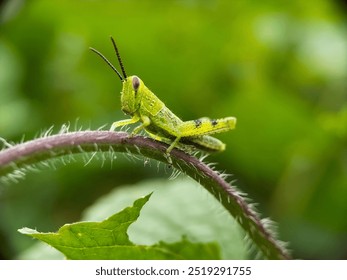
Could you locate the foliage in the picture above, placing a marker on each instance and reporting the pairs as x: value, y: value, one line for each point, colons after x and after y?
x: 109, y: 240
x: 176, y: 208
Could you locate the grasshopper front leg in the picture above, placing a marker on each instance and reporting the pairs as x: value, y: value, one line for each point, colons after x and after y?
x: 144, y: 119
x: 134, y: 119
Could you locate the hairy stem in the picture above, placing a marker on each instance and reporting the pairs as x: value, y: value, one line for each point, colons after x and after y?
x: 31, y: 152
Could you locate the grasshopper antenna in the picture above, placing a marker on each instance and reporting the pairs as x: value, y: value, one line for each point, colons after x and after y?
x: 118, y: 56
x: 109, y: 64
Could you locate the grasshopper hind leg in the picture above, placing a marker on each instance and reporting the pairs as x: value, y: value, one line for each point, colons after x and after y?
x: 206, y: 126
x: 205, y: 143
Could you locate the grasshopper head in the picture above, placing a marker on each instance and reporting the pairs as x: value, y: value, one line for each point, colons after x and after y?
x: 131, y: 94
x: 132, y: 86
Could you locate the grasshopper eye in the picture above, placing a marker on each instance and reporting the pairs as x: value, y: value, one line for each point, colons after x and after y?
x: 136, y: 83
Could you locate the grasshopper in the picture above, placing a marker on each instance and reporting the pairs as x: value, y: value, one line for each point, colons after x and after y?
x: 159, y: 122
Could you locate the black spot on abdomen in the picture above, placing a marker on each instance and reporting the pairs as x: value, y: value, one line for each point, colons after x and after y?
x: 198, y: 123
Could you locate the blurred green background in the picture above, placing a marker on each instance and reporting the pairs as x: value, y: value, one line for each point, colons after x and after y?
x: 280, y: 67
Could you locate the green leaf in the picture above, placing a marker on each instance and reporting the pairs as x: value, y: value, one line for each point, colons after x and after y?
x: 109, y: 240
x: 177, y: 208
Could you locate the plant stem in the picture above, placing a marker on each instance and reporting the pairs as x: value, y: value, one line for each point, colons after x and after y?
x: 45, y: 148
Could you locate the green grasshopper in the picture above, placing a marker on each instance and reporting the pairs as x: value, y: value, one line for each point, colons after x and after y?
x: 159, y: 122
